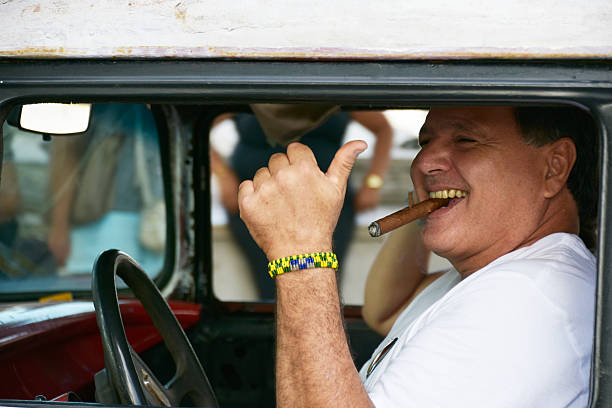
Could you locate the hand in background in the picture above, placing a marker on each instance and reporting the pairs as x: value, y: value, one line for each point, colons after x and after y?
x: 367, y: 198
x: 58, y: 242
x: 228, y: 185
x: 228, y: 182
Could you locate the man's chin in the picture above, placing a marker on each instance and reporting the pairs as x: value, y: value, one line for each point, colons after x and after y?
x: 440, y: 244
x: 442, y: 253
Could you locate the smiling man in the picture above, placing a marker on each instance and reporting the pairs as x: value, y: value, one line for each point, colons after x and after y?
x: 516, y: 192
x: 510, y: 325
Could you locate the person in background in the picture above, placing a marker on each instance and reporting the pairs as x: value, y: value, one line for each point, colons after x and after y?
x: 253, y: 151
x: 110, y: 175
x: 9, y: 195
x: 21, y: 255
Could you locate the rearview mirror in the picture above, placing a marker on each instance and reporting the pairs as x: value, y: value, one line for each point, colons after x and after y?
x: 55, y: 118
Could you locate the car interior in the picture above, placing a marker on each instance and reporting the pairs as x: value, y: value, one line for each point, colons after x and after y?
x: 120, y: 281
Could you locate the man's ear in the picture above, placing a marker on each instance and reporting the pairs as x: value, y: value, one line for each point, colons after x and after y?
x: 560, y: 159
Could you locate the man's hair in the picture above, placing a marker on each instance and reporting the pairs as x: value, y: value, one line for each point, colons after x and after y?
x: 544, y: 125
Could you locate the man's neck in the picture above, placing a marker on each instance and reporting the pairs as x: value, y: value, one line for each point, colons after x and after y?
x: 561, y: 216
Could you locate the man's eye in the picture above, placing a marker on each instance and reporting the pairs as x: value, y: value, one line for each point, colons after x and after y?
x: 464, y: 139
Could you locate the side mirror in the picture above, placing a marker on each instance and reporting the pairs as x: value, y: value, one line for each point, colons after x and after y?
x: 55, y: 118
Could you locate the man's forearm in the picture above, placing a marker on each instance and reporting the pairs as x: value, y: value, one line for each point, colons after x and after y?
x: 380, y: 127
x: 291, y: 207
x: 314, y: 367
x: 398, y: 270
x: 382, y: 152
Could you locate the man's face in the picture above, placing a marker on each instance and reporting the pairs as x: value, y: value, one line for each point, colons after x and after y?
x: 479, y: 152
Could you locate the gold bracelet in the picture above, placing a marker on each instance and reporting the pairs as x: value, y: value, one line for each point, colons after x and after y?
x: 374, y: 181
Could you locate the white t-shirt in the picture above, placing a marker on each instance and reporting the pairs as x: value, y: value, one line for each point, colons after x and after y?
x: 516, y: 333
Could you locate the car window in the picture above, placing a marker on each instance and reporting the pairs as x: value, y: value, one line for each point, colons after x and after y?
x: 238, y: 273
x: 64, y: 199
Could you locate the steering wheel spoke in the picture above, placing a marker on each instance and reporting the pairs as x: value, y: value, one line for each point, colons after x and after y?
x: 154, y: 391
x: 181, y: 386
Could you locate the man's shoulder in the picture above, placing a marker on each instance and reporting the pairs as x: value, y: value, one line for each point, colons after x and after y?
x: 559, y: 254
x: 557, y: 274
x: 560, y: 243
x: 555, y: 277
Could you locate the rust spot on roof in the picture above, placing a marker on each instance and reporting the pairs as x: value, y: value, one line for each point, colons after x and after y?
x: 38, y: 52
x: 123, y: 51
x: 180, y: 12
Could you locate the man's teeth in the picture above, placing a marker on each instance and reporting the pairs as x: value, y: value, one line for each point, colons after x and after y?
x: 447, y: 194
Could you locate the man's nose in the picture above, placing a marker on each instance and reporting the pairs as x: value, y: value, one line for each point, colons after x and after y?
x: 433, y: 158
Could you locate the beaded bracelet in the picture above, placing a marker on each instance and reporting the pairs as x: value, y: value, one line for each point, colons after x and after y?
x: 303, y: 261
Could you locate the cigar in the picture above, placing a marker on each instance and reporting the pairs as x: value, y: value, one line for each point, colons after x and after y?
x: 403, y: 217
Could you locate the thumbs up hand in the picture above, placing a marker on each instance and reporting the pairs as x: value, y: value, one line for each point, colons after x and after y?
x: 291, y: 207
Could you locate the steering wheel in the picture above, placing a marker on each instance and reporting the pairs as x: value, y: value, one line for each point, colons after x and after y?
x: 130, y: 378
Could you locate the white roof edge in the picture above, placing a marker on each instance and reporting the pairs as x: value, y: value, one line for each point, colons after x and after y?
x: 308, y: 53
x: 317, y: 29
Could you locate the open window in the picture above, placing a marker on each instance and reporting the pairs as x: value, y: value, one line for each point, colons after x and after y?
x: 66, y: 198
x: 241, y: 147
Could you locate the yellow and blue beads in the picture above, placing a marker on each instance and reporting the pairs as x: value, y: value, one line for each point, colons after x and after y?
x: 303, y: 261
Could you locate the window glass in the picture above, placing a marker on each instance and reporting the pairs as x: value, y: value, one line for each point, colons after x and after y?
x: 239, y: 148
x: 64, y: 199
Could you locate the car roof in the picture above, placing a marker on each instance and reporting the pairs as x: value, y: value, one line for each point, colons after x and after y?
x: 318, y: 29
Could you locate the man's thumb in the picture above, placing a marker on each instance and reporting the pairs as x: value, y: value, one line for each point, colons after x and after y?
x: 340, y: 168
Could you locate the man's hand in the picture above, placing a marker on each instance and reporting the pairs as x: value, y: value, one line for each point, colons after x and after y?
x: 291, y: 206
